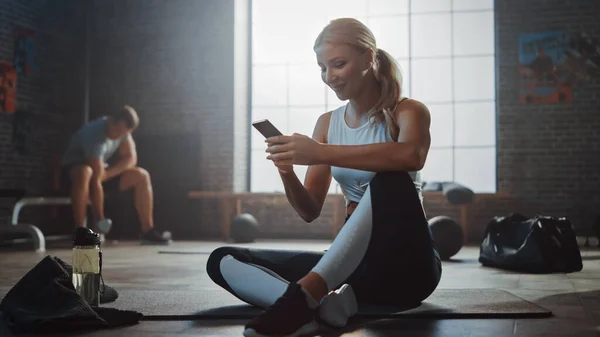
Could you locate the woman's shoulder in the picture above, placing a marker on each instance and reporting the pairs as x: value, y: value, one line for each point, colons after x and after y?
x: 410, y: 112
x: 326, y: 117
x: 322, y: 127
x: 407, y: 102
x: 410, y: 106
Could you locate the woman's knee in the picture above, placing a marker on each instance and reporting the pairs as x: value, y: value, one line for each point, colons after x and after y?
x: 213, y: 265
x: 389, y: 189
x: 392, y: 179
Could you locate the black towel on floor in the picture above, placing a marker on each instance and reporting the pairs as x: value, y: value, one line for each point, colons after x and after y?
x: 44, y: 300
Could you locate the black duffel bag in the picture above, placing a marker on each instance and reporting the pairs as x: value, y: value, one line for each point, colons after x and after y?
x: 542, y: 244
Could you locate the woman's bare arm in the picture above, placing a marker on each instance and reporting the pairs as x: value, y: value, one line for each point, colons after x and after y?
x: 308, y: 198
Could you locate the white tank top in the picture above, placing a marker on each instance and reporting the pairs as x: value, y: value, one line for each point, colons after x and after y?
x: 354, y: 182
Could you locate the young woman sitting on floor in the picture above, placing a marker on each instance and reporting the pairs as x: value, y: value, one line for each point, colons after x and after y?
x: 374, y: 147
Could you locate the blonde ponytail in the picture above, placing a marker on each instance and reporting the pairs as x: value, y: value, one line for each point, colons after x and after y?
x: 389, y: 77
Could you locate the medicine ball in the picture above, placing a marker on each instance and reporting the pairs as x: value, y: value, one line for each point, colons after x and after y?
x: 244, y: 228
x: 447, y: 235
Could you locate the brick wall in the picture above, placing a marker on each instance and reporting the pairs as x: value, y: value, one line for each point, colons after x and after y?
x: 548, y: 154
x: 174, y: 62
x: 51, y: 92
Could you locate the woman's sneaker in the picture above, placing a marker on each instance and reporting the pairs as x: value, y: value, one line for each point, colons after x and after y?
x: 338, y: 306
x: 290, y: 316
x: 153, y: 237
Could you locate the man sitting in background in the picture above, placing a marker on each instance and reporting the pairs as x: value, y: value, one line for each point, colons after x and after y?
x: 87, y: 174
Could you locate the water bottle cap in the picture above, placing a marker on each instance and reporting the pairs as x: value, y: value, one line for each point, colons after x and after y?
x: 85, y: 237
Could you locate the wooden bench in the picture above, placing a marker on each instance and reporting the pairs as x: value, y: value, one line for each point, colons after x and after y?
x: 230, y: 205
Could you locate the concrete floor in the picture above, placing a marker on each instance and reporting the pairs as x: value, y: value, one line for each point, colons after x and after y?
x: 573, y: 298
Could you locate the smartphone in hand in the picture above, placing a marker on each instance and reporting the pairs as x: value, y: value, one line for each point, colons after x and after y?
x: 267, y: 129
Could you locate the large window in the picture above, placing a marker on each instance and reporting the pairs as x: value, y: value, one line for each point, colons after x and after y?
x: 445, y: 49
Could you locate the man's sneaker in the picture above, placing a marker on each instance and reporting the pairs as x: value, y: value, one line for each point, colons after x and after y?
x: 289, y: 316
x: 337, y: 307
x: 153, y: 237
x: 104, y: 226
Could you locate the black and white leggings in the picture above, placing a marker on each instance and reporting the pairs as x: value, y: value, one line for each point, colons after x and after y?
x: 384, y: 251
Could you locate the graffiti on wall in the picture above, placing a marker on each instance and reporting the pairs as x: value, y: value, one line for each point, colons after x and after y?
x: 552, y: 63
x: 8, y: 87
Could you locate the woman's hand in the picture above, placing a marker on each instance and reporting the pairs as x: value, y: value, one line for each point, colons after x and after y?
x: 285, y: 168
x: 281, y: 166
x: 297, y: 149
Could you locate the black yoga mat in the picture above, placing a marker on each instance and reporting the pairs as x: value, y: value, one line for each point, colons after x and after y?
x: 212, y: 304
